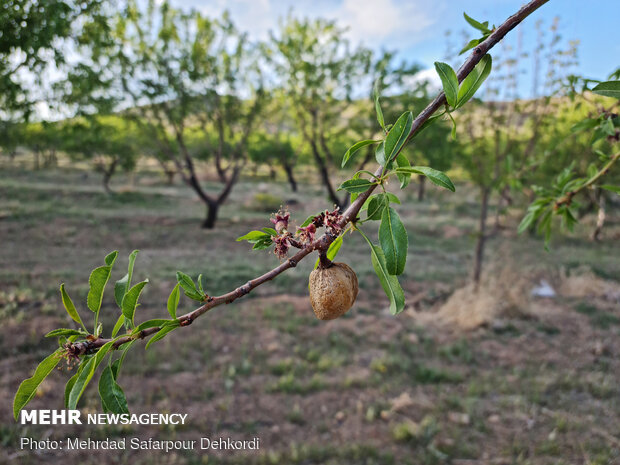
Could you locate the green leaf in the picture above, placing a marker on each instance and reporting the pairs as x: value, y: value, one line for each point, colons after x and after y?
x: 471, y: 44
x: 354, y: 148
x: 69, y: 306
x: 375, y: 207
x: 356, y: 186
x: 73, y: 379
x: 111, y: 258
x: 258, y: 245
x: 389, y: 282
x: 380, y: 119
x: 586, y: 124
x: 435, y: 176
x: 332, y: 250
x: 252, y: 237
x: 119, y: 324
x: 28, y: 388
x: 449, y: 82
x: 112, y: 396
x: 270, y: 231
x: 86, y: 375
x: 474, y: 80
x: 122, y: 285
x: 97, y: 282
x: 173, y: 301
x: 393, y: 240
x: 396, y: 138
x: 130, y: 301
x: 307, y: 221
x: 608, y: 89
x: 481, y: 27
x: 165, y: 329
x: 188, y: 285
x: 380, y: 153
x: 611, y: 188
x: 403, y: 162
x: 66, y: 332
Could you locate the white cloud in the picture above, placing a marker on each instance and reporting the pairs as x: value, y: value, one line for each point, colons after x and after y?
x: 395, y: 25
x: 376, y: 23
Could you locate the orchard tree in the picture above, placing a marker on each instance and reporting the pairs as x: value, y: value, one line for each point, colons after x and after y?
x: 500, y: 137
x: 183, y: 70
x: 318, y: 71
x: 175, y: 73
x: 109, y: 142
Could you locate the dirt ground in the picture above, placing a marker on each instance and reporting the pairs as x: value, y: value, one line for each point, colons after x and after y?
x: 535, y: 383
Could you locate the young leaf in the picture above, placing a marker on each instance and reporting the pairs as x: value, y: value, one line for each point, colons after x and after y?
x: 354, y: 148
x: 474, y: 80
x: 610, y: 187
x: 375, y: 207
x: 130, y: 301
x: 270, y: 231
x: 261, y: 244
x: 380, y: 119
x: 394, y: 241
x: 389, y: 282
x: 188, y: 285
x: 28, y: 388
x: 481, y: 27
x: 69, y: 306
x: 307, y: 221
x: 173, y: 301
x: 471, y: 44
x: 66, y: 332
x: 112, y: 396
x: 435, y: 176
x: 608, y: 89
x: 403, y: 162
x: 380, y: 153
x: 86, y: 375
x: 397, y: 136
x: 97, y: 282
x: 332, y: 250
x: 119, y: 324
x: 252, y: 237
x: 449, y: 82
x: 111, y: 258
x: 122, y: 285
x: 71, y: 382
x: 356, y: 186
x: 165, y: 329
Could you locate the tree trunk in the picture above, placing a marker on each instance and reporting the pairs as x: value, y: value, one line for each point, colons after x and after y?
x: 482, y: 237
x: 421, y: 187
x: 170, y: 177
x: 600, y: 220
x: 288, y: 169
x: 37, y: 163
x: 324, y: 173
x: 272, y: 173
x: 108, y: 172
x: 212, y: 210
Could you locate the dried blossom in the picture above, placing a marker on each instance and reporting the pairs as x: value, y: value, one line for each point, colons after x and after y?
x: 306, y: 235
x: 332, y: 221
x: 282, y: 246
x: 281, y: 221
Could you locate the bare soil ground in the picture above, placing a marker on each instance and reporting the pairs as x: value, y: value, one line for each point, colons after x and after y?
x: 535, y: 387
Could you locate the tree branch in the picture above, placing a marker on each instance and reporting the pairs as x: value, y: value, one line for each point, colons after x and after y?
x: 350, y: 214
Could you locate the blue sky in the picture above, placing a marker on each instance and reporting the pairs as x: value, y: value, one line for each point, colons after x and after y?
x: 416, y: 27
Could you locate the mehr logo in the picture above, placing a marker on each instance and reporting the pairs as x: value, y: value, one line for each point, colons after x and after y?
x: 50, y: 417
